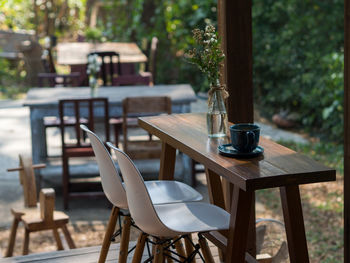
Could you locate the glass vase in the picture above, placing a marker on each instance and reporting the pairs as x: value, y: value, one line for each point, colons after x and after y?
x: 93, y: 83
x: 217, y: 116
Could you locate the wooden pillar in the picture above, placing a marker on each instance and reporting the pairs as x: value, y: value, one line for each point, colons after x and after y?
x: 346, y: 131
x: 235, y: 29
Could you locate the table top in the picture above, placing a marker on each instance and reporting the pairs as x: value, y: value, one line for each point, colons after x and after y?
x: 75, y: 53
x: 278, y: 166
x: 180, y: 93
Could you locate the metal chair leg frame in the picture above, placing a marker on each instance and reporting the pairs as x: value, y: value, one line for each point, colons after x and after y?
x: 119, y: 231
x: 171, y: 243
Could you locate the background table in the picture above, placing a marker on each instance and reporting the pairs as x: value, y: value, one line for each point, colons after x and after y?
x: 238, y: 179
x: 75, y: 53
x: 44, y: 102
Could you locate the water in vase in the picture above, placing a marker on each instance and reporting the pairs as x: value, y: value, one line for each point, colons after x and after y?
x: 217, y: 124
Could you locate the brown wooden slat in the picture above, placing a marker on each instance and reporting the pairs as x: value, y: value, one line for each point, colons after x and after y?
x: 216, y: 238
x: 277, y: 167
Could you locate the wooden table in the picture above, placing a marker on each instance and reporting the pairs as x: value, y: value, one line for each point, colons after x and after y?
x: 75, y: 53
x: 44, y: 102
x: 278, y: 167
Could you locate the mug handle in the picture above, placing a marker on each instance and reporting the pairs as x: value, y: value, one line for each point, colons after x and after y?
x: 250, y: 137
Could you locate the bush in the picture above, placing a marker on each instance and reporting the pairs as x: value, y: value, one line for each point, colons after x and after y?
x: 298, y: 61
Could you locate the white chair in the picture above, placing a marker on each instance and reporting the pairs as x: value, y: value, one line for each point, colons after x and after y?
x: 164, y: 222
x: 160, y: 191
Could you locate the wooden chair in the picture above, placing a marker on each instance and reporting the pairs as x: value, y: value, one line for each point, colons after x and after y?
x: 50, y: 78
x: 110, y: 66
x: 196, y: 167
x: 151, y: 66
x: 35, y: 219
x: 134, y: 107
x: 142, y: 78
x: 95, y: 111
x: 166, y: 222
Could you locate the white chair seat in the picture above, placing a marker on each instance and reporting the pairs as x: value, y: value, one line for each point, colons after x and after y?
x: 184, y: 218
x: 163, y: 192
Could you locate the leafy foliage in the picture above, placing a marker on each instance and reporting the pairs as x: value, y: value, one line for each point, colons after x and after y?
x: 208, y: 55
x: 297, y: 46
x: 298, y: 61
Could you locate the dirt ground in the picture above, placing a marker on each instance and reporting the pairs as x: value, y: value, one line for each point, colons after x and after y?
x: 322, y: 225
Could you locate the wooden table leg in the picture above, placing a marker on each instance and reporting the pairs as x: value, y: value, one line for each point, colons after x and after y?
x: 251, y: 245
x: 227, y: 189
x: 239, y: 224
x: 167, y: 162
x: 294, y: 222
x: 215, y: 190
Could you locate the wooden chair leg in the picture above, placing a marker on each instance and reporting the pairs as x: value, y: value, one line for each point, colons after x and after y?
x: 108, y: 235
x: 189, y: 247
x: 65, y: 182
x: 12, y: 239
x: 26, y: 242
x: 169, y: 260
x: 117, y: 128
x: 158, y: 254
x: 140, y: 246
x: 124, y: 242
x: 208, y: 257
x: 58, y: 239
x: 180, y: 248
x: 68, y: 237
x: 193, y: 172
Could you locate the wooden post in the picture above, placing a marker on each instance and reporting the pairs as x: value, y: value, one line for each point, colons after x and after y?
x: 346, y: 131
x: 235, y: 28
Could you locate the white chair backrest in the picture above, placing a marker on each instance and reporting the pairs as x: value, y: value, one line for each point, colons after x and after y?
x: 110, y: 178
x: 139, y: 200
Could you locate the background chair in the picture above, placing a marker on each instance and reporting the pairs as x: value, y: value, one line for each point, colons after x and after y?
x: 134, y: 107
x: 110, y: 66
x: 33, y: 219
x: 95, y: 111
x: 167, y: 221
x: 160, y: 192
x: 151, y: 66
x: 146, y: 77
x: 50, y: 78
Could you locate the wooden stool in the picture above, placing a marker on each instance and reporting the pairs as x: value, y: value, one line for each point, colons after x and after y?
x: 35, y: 219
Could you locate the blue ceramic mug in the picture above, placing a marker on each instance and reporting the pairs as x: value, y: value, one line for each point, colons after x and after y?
x: 245, y: 137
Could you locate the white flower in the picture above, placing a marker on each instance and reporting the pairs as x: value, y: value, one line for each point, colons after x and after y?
x: 93, y: 65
